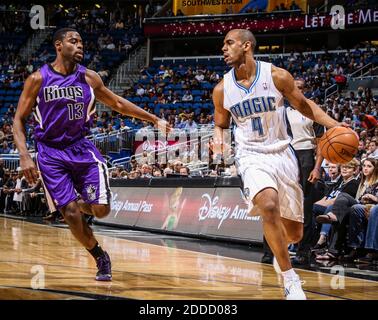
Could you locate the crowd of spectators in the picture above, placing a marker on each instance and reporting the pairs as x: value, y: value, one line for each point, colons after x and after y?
x: 180, y: 92
x: 17, y: 196
x: 108, y: 34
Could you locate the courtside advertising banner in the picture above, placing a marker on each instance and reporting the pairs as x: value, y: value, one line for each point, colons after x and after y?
x: 174, y: 209
x: 215, y: 212
x: 225, y: 214
x: 127, y: 204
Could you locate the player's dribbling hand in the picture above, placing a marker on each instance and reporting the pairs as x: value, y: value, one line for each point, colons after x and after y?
x: 347, y: 125
x: 29, y: 169
x: 344, y: 124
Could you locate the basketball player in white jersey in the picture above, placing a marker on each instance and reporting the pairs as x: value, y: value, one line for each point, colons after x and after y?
x: 252, y: 93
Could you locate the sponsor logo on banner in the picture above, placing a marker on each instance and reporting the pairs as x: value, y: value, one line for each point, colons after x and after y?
x: 139, y: 206
x: 211, y: 209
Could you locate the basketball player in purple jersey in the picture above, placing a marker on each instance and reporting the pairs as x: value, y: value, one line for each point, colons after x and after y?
x: 64, y: 93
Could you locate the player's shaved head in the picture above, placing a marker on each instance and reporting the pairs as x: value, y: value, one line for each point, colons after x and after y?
x: 244, y: 35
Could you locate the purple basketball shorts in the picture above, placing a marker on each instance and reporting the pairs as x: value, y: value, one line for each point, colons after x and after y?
x: 76, y: 170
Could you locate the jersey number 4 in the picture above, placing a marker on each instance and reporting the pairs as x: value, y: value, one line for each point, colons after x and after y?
x: 75, y: 111
x: 257, y: 125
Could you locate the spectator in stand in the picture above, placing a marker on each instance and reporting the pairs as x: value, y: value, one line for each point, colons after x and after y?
x: 346, y: 210
x: 110, y: 44
x: 156, y: 173
x: 368, y: 122
x: 361, y: 149
x: 187, y: 97
x: 348, y: 183
x: 146, y: 171
x: 184, y: 171
x: 119, y: 25
x: 294, y: 6
x: 167, y: 171
x: 134, y: 174
x: 369, y: 234
x: 191, y: 124
x: 372, y: 150
x: 9, y: 189
x: 13, y: 150
x: 4, y: 149
x: 179, y: 13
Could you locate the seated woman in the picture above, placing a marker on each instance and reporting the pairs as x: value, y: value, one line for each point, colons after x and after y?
x: 347, y: 184
x: 371, y: 239
x: 342, y: 211
x: 363, y: 222
x: 332, y: 180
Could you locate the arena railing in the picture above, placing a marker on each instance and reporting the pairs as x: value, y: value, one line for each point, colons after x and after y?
x: 114, y: 141
x: 356, y: 74
x: 330, y: 91
x: 204, y: 132
x: 362, y: 71
x: 12, y: 161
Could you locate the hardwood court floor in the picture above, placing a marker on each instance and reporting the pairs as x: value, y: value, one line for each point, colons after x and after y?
x: 143, y: 271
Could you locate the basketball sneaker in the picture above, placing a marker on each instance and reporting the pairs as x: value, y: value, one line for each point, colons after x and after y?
x: 104, y: 267
x: 293, y: 289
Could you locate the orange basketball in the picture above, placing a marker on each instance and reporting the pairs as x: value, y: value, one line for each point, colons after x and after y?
x: 339, y: 145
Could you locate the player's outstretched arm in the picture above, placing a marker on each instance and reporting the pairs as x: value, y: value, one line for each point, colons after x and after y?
x: 284, y: 82
x: 120, y: 104
x: 221, y: 118
x: 24, y: 109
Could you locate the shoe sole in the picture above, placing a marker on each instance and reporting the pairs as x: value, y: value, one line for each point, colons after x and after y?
x: 104, y: 278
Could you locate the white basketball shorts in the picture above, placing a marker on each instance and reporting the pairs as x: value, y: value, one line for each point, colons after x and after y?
x: 277, y: 170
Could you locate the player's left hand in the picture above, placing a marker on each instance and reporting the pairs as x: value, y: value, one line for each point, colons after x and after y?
x: 314, y: 176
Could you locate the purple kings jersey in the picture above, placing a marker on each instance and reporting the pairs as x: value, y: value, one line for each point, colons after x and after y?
x: 65, y: 105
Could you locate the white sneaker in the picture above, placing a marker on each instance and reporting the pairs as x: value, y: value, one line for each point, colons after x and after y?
x: 293, y: 289
x: 276, y: 266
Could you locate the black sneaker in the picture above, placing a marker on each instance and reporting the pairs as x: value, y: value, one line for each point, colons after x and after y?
x: 300, y: 260
x: 352, y: 256
x: 370, y: 258
x: 89, y: 219
x: 104, y: 267
x: 319, y: 246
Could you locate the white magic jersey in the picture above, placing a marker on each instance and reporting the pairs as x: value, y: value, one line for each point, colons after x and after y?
x: 258, y: 112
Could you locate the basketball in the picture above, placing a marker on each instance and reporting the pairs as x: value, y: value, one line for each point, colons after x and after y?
x: 339, y: 145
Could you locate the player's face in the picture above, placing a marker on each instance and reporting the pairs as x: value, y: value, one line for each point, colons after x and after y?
x: 233, y: 50
x: 72, y: 47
